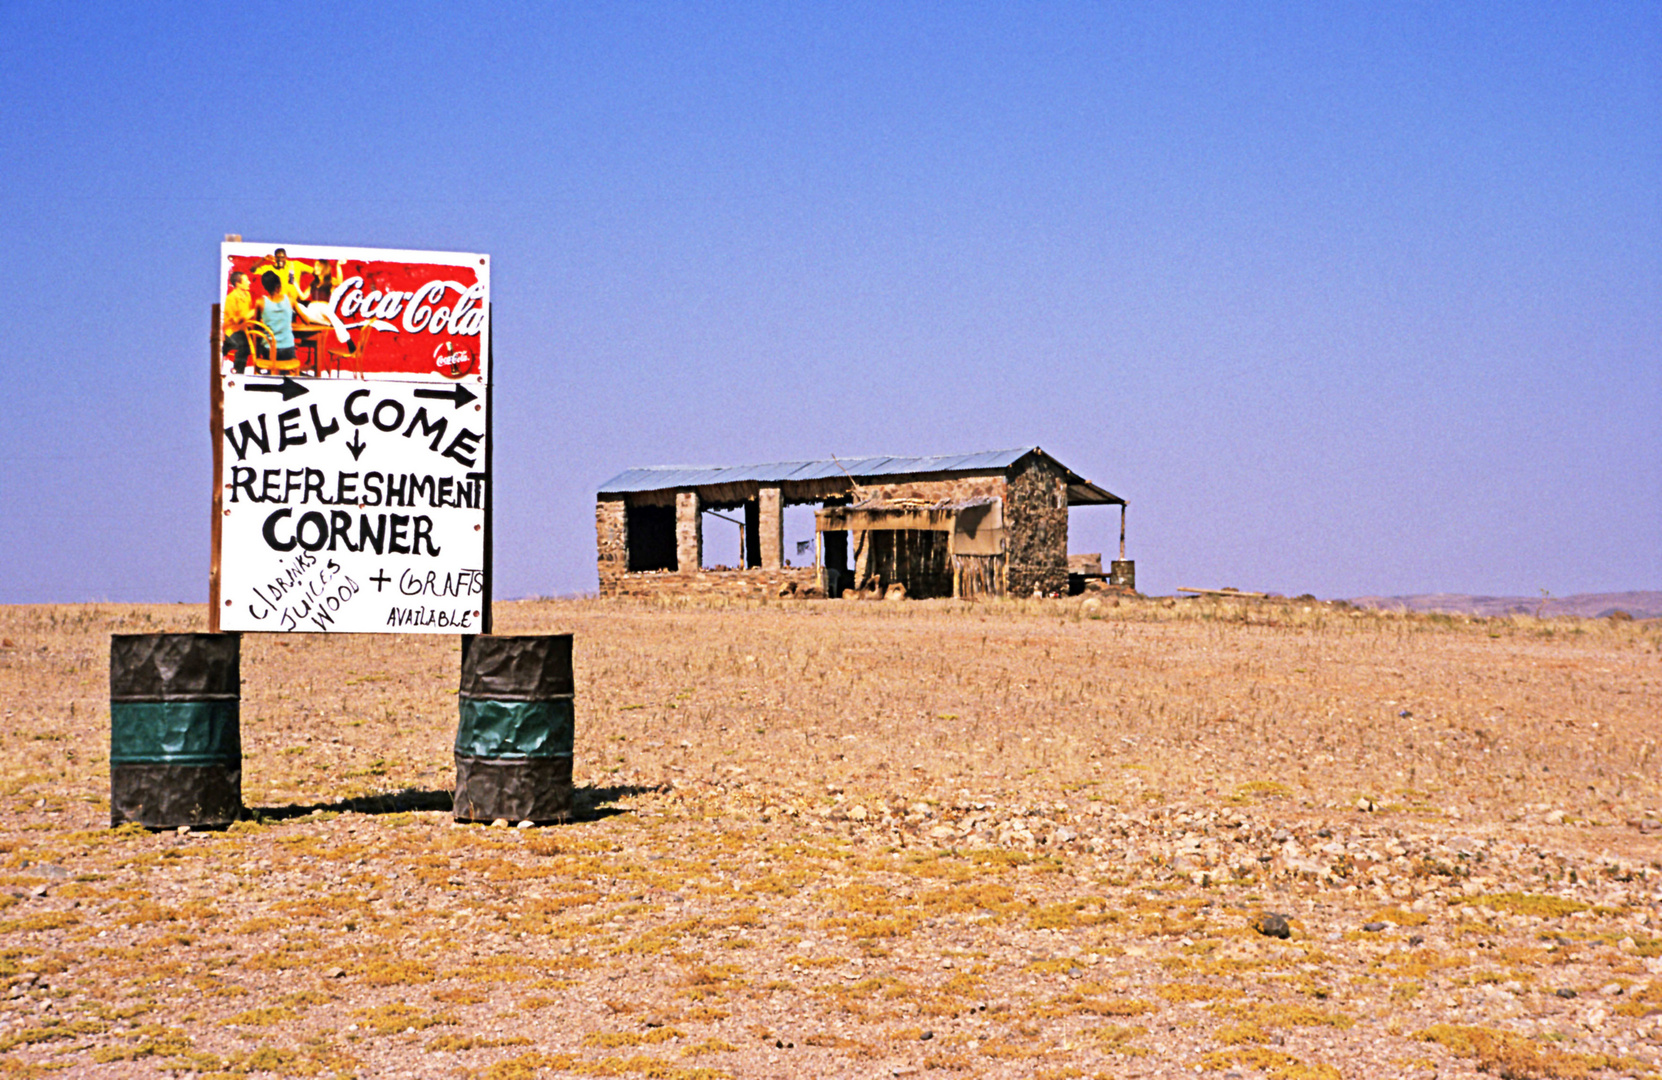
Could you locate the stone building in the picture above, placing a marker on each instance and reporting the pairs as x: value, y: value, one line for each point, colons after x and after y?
x: 991, y: 523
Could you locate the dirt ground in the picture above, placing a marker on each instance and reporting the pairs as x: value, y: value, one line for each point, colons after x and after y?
x: 829, y: 839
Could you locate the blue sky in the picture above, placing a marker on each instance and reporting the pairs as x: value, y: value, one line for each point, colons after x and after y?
x: 1346, y: 299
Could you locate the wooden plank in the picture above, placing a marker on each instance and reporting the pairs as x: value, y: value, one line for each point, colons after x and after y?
x: 216, y: 421
x: 1224, y: 592
x: 490, y: 475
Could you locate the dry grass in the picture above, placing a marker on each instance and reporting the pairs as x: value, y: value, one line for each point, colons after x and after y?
x: 1004, y: 840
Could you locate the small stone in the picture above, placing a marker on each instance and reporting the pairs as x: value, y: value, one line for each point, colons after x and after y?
x: 1565, y: 992
x: 1075, y: 972
x: 1281, y: 836
x: 857, y: 813
x: 1610, y: 989
x: 334, y: 973
x: 1365, y: 804
x: 182, y: 830
x: 926, y: 1036
x: 523, y: 825
x: 500, y: 823
x: 1628, y: 945
x: 1374, y: 927
x: 1556, y: 817
x: 1271, y: 924
x: 1417, y: 939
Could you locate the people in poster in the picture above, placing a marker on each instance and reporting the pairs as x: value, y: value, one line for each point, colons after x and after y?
x: 290, y: 273
x: 342, y: 312
x: 238, y: 313
x: 277, y: 312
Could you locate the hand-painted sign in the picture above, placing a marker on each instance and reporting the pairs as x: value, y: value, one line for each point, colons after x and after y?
x: 352, y: 464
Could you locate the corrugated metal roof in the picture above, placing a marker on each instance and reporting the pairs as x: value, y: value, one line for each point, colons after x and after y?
x: 667, y: 477
x: 662, y: 477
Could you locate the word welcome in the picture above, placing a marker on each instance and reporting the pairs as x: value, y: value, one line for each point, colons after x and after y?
x: 388, y: 415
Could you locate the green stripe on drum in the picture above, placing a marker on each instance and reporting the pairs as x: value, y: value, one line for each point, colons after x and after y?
x: 175, y: 733
x: 515, y: 729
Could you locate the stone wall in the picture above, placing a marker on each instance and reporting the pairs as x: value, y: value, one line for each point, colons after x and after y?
x: 756, y: 584
x: 689, y: 531
x: 1036, y: 529
x: 611, y: 532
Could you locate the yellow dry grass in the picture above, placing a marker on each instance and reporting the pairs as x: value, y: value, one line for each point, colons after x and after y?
x: 1000, y: 840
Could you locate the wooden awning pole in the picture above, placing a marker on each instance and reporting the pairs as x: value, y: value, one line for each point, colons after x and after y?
x: 1122, y: 532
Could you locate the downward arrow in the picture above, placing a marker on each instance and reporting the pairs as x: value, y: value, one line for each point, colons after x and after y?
x: 288, y: 388
x: 460, y: 393
x: 357, y: 444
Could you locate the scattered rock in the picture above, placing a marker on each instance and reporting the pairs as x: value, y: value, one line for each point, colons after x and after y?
x: 1365, y: 804
x: 926, y: 1036
x: 1375, y: 927
x: 500, y: 823
x: 1611, y: 989
x: 857, y: 813
x: 897, y: 591
x: 1271, y: 924
x: 1565, y: 992
x: 523, y: 825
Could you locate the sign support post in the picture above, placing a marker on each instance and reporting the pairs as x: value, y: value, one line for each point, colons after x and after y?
x: 216, y: 421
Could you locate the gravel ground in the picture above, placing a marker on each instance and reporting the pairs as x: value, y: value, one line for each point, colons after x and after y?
x: 869, y: 840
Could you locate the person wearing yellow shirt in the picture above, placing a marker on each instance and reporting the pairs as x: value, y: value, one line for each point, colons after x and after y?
x: 233, y: 324
x: 289, y: 272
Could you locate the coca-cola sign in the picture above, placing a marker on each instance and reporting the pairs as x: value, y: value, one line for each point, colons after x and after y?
x: 359, y: 312
x: 354, y: 441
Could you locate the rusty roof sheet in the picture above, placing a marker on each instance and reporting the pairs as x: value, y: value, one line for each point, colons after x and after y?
x: 668, y: 477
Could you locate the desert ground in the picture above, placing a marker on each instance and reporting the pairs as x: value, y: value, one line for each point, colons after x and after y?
x: 829, y: 839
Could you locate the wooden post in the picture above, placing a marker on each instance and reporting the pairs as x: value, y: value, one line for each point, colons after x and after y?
x: 216, y: 421
x: 1122, y: 532
x: 490, y: 477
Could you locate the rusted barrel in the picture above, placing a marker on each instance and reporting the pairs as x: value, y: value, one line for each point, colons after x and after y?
x: 175, y: 729
x: 1122, y: 572
x: 515, y: 728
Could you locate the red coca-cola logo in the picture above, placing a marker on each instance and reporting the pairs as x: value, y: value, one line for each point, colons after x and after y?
x: 453, y: 361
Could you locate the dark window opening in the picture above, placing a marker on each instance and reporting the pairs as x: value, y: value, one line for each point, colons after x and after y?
x: 651, y: 537
x: 916, y: 558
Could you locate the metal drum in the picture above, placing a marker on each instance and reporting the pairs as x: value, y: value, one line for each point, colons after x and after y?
x: 175, y: 729
x: 515, y: 728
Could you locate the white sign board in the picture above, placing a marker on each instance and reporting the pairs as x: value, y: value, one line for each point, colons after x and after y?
x: 353, y: 468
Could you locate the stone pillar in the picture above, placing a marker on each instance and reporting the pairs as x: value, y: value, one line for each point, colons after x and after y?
x: 611, y: 528
x: 770, y: 506
x: 689, y: 532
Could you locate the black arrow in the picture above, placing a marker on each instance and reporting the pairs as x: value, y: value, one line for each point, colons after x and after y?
x: 357, y: 444
x: 460, y: 393
x: 288, y: 388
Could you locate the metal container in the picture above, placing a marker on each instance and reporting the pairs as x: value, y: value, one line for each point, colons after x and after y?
x: 515, y: 728
x: 175, y: 729
x: 1123, y: 572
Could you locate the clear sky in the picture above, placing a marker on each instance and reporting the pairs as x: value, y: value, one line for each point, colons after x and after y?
x: 1345, y: 299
